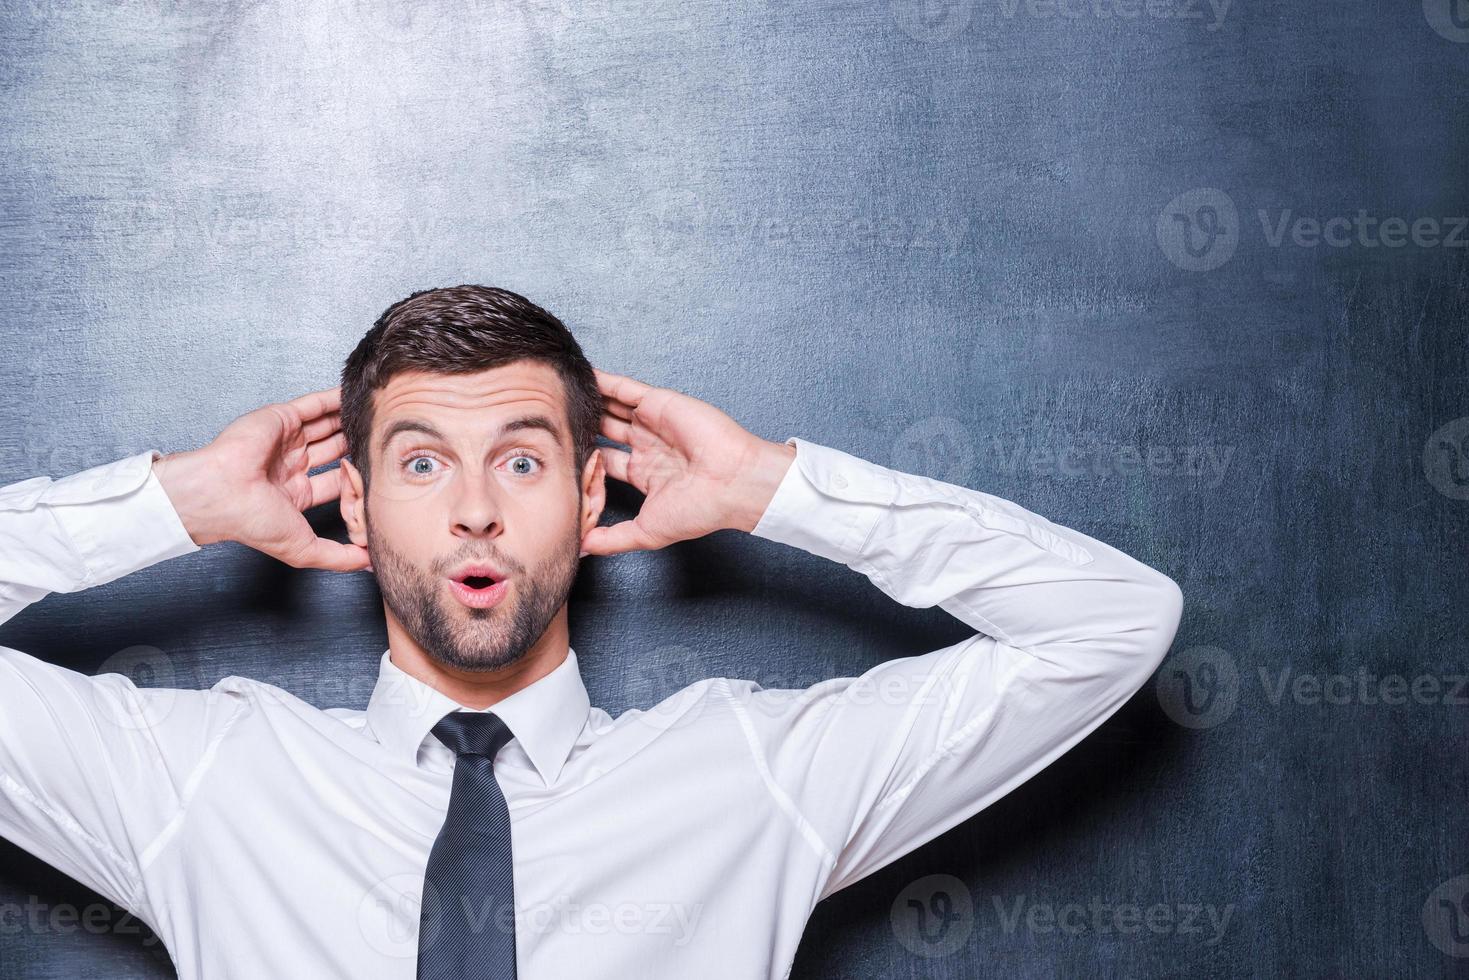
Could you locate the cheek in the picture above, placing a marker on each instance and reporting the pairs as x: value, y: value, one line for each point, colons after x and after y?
x: 547, y: 521
x: 404, y: 527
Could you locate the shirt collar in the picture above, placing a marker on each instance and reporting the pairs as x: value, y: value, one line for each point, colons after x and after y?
x: 545, y: 716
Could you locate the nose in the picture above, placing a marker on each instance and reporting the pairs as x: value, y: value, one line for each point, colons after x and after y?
x: 475, y: 510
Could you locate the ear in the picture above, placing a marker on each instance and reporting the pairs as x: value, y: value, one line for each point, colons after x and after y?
x: 352, y: 497
x: 593, y: 492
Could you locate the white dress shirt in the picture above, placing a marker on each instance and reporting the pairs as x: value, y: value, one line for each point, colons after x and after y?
x: 263, y: 837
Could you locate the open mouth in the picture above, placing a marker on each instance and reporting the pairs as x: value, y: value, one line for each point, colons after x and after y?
x: 478, y: 587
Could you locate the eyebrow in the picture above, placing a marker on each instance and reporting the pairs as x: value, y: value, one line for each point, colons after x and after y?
x: 526, y: 423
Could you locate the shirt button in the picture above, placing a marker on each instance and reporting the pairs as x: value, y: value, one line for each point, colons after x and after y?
x: 839, y: 481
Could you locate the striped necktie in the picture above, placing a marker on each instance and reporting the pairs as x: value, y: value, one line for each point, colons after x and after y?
x: 467, y: 924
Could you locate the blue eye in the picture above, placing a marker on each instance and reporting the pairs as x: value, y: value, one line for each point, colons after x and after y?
x: 525, y: 456
x: 416, y: 470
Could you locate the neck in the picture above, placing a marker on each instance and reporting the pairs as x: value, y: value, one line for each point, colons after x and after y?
x: 479, y: 689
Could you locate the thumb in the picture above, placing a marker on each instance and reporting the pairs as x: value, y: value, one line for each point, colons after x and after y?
x: 334, y: 556
x: 618, y: 539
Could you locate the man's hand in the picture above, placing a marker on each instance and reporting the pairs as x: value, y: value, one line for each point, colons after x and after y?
x: 700, y: 470
x: 250, y: 484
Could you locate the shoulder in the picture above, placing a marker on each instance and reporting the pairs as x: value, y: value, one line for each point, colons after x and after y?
x: 679, y: 708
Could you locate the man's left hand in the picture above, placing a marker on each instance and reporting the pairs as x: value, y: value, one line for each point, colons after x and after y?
x: 700, y: 470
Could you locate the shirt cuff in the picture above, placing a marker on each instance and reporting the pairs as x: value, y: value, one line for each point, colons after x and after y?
x: 118, y: 517
x: 828, y: 502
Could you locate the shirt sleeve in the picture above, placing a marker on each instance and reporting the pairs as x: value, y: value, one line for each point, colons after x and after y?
x: 871, y: 767
x: 92, y: 768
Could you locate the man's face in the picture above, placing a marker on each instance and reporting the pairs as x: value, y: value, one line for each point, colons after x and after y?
x: 475, y: 469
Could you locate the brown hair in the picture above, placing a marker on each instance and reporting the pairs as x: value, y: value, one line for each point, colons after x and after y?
x: 460, y: 330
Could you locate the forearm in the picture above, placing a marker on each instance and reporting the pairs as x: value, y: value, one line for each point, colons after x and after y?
x: 1018, y: 576
x: 1009, y: 573
x: 83, y: 530
x: 761, y: 473
x: 186, y: 478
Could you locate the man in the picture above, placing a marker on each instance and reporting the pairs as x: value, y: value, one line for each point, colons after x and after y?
x: 480, y: 817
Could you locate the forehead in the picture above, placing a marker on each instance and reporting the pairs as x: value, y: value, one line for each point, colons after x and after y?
x: 473, y: 403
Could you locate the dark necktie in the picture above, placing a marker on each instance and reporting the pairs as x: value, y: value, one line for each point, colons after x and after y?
x: 467, y: 924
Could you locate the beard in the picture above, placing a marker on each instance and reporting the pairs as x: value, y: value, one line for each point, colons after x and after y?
x: 463, y: 638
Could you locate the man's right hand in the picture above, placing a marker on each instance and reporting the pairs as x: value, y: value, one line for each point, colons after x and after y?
x: 250, y: 484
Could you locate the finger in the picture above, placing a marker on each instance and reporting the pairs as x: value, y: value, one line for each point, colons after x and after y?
x: 334, y: 556
x: 615, y: 461
x: 615, y: 408
x: 327, y: 450
x: 618, y: 539
x: 624, y: 389
x: 322, y: 427
x: 326, y: 487
x: 317, y: 403
x: 616, y: 429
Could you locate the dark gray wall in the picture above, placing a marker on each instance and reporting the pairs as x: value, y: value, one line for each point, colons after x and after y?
x: 1051, y: 253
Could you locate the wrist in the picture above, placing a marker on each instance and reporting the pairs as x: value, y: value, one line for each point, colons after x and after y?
x: 185, y: 479
x: 761, y: 473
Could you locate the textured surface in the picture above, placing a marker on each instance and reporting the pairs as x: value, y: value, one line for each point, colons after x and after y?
x: 1058, y: 253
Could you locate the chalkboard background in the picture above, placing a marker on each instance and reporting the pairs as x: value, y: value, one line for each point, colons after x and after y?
x: 1191, y: 278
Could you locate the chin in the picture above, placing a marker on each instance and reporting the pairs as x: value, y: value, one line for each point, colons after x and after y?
x: 478, y: 660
